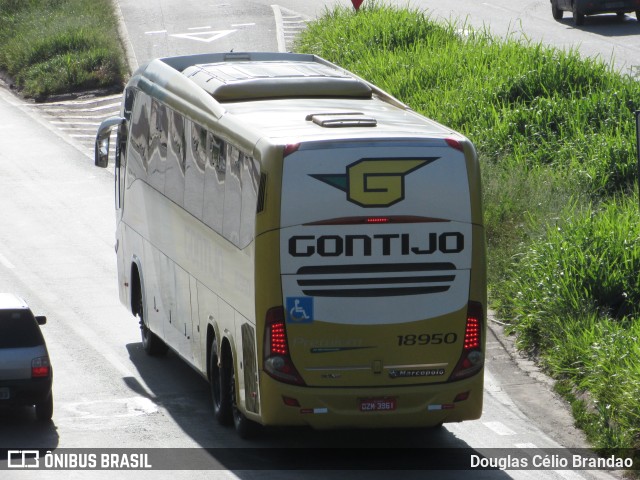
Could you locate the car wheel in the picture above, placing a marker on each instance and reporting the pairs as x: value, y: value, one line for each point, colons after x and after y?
x: 245, y: 428
x: 555, y: 10
x: 638, y: 15
x: 219, y: 385
x: 578, y: 18
x: 151, y: 343
x: 44, y: 409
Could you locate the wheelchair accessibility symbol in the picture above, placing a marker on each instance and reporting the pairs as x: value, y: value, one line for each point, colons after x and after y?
x: 299, y: 309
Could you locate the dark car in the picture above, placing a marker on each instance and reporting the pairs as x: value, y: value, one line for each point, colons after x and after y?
x: 580, y: 8
x: 26, y: 376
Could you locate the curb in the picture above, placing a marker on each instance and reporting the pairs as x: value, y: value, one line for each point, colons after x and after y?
x: 530, y: 389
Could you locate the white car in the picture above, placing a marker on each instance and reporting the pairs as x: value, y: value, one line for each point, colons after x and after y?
x: 26, y: 376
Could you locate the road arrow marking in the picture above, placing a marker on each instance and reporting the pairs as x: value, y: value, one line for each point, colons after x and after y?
x: 206, y: 37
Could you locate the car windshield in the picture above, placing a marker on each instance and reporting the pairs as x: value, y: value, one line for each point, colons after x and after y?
x: 18, y: 329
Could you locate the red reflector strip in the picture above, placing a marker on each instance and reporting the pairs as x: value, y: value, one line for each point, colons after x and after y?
x: 446, y: 406
x: 472, y: 334
x: 314, y: 410
x: 377, y: 220
x: 278, y: 339
x: 290, y: 402
x: 461, y: 397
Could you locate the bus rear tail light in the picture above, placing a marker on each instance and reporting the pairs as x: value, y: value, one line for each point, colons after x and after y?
x: 290, y: 148
x: 472, y: 359
x: 453, y: 143
x: 277, y: 360
x: 40, y: 367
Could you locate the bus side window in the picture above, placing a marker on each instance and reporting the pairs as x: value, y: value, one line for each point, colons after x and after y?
x: 194, y: 171
x: 176, y: 156
x: 138, y: 151
x: 250, y: 178
x: 232, y: 196
x: 215, y: 168
x: 157, y: 145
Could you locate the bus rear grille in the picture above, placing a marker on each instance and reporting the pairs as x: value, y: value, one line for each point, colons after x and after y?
x: 386, y: 280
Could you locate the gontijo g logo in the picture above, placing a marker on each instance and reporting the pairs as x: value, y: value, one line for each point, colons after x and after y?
x: 375, y: 182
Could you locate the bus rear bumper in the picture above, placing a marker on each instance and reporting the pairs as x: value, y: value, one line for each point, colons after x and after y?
x: 383, y: 407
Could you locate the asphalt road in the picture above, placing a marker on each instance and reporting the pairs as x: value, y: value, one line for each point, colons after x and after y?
x: 57, y: 252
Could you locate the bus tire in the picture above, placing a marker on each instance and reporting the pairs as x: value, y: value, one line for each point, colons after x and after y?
x: 219, y: 385
x: 245, y: 428
x: 151, y: 343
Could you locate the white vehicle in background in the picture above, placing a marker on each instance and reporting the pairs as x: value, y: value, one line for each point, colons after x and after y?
x: 309, y: 244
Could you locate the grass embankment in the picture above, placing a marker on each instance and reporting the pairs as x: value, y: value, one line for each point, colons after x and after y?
x: 59, y: 46
x: 555, y: 135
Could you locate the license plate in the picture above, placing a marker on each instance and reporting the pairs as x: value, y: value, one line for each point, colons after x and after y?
x: 377, y: 404
x: 4, y: 394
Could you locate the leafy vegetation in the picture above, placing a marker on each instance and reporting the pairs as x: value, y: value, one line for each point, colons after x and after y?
x: 555, y: 135
x: 59, y: 46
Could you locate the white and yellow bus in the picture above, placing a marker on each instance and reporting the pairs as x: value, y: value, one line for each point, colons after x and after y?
x: 309, y: 244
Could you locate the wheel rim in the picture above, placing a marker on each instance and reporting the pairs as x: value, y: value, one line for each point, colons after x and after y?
x: 144, y: 330
x: 216, y: 389
x: 237, y: 415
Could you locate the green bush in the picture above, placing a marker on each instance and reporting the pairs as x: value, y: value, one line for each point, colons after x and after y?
x: 60, y: 46
x: 574, y: 298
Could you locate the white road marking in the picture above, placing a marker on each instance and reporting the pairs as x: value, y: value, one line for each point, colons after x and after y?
x: 569, y: 475
x: 59, y: 122
x: 200, y: 28
x: 288, y: 25
x: 117, y: 408
x: 206, y: 37
x: 155, y: 32
x: 495, y: 6
x: 6, y: 263
x: 499, y: 428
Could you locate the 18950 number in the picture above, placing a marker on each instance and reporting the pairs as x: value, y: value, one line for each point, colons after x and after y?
x: 427, y: 339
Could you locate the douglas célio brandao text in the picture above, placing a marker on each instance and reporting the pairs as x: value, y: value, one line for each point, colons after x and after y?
x: 550, y: 462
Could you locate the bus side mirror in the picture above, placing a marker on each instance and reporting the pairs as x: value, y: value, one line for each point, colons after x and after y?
x: 101, y: 154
